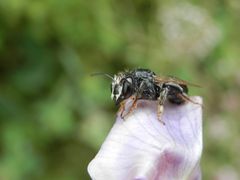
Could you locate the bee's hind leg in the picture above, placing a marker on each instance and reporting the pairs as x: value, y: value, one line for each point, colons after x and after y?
x: 185, y: 97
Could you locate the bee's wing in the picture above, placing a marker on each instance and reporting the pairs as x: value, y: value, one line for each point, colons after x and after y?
x: 166, y: 79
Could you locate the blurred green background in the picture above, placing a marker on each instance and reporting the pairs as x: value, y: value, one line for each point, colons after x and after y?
x: 54, y: 116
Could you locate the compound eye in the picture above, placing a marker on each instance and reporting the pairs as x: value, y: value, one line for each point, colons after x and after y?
x: 127, y: 89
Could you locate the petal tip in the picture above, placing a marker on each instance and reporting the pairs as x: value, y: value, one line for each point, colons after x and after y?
x: 141, y: 137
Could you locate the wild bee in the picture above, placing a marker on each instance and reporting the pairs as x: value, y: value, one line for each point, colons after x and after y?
x: 145, y: 84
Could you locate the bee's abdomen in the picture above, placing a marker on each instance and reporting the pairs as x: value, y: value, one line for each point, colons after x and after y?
x: 173, y: 94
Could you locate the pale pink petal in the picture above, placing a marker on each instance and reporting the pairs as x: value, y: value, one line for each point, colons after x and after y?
x: 142, y: 148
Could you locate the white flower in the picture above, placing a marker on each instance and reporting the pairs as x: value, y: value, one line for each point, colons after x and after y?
x: 141, y: 147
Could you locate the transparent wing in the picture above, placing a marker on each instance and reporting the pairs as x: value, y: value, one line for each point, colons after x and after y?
x: 166, y: 79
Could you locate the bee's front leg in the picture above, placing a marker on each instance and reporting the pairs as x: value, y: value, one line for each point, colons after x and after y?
x: 132, y: 108
x: 122, y: 108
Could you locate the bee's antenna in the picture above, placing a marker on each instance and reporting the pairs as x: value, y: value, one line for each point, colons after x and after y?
x: 102, y: 74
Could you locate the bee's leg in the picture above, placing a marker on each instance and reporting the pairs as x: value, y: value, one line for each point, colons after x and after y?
x: 133, y: 106
x: 160, y: 107
x: 122, y: 108
x: 186, y: 98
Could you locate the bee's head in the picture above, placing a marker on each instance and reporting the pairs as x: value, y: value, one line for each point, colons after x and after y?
x: 121, y: 88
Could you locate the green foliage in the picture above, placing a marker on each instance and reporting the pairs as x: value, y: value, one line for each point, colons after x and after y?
x: 54, y: 116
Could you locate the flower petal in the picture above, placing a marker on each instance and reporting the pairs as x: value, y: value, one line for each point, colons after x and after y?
x: 141, y: 147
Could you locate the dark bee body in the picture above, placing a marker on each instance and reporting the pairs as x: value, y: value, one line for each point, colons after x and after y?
x: 143, y: 81
x: 145, y: 84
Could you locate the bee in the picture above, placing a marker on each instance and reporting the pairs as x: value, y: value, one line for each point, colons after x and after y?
x: 145, y: 84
